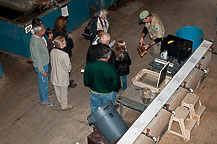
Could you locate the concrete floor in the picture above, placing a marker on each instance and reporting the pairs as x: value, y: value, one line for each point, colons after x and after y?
x: 24, y: 121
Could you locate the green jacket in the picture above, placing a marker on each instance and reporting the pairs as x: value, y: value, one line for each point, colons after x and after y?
x: 101, y: 77
x: 39, y: 52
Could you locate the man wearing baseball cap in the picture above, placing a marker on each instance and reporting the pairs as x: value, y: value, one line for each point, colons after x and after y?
x: 155, y: 28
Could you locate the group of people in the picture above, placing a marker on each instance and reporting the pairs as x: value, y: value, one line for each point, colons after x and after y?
x: 107, y: 61
x: 56, y: 51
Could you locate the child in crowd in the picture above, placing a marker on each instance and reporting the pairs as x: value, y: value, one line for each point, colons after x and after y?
x: 50, y: 43
x: 60, y: 68
x: 123, y: 61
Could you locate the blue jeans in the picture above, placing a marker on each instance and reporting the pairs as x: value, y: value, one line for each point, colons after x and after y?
x: 43, y: 84
x: 124, y: 81
x: 97, y: 100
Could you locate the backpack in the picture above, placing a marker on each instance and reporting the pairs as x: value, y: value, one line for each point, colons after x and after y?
x: 91, y: 29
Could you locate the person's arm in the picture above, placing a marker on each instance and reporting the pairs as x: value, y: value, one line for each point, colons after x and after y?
x: 65, y: 62
x: 128, y: 58
x: 150, y: 44
x: 69, y: 42
x: 144, y: 33
x: 86, y: 77
x: 116, y: 82
x: 36, y: 58
x: 153, y: 42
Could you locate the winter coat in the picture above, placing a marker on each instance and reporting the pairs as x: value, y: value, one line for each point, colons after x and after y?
x: 123, y: 64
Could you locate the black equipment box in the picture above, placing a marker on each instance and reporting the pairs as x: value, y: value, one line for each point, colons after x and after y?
x: 177, y: 48
x: 158, y: 63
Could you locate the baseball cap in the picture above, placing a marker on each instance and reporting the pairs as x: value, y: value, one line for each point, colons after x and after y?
x: 143, y: 15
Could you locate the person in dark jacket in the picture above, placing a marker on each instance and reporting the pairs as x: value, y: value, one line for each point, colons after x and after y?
x: 103, y: 80
x: 94, y: 50
x: 123, y: 61
x: 60, y: 27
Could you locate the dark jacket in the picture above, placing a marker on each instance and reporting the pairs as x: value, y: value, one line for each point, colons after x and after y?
x: 94, y: 53
x: 123, y: 64
x: 69, y: 42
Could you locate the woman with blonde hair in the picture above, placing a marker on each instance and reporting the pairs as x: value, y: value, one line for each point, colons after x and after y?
x: 123, y: 61
x: 60, y: 68
x: 60, y: 29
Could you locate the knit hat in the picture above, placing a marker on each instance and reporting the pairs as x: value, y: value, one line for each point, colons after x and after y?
x: 143, y: 15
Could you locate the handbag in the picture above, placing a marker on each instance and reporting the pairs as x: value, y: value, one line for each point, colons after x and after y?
x: 87, y: 34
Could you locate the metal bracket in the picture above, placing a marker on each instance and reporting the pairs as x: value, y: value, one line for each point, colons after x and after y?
x: 187, y: 88
x: 149, y: 136
x: 199, y: 67
x: 166, y: 107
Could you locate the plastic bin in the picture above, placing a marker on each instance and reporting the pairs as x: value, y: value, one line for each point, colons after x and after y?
x: 108, y: 122
x: 191, y: 33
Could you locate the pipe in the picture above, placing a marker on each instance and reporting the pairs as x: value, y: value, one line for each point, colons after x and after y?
x: 150, y: 136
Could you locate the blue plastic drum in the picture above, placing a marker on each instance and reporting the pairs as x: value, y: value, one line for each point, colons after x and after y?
x: 191, y: 33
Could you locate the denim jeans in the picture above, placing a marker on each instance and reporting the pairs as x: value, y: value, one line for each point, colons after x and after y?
x: 43, y: 84
x: 124, y: 81
x: 97, y: 100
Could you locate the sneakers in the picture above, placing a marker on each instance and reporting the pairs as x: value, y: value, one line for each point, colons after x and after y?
x: 48, y: 104
x: 67, y: 108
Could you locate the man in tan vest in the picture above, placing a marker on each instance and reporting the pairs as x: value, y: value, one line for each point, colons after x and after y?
x: 155, y: 28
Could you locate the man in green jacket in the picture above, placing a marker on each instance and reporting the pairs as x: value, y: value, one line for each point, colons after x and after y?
x: 40, y: 58
x: 103, y: 80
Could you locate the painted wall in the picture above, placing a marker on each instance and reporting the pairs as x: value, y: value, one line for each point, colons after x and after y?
x: 15, y: 41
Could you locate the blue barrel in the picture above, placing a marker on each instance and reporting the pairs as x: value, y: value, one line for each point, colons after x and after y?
x: 1, y: 73
x: 108, y: 122
x: 191, y: 33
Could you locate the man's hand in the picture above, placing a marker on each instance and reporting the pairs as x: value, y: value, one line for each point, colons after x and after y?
x: 147, y: 47
x: 141, y: 42
x: 45, y: 74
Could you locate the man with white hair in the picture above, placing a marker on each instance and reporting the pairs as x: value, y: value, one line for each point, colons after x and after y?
x: 155, y: 28
x: 94, y: 50
x: 40, y: 58
x: 99, y: 22
x: 102, y: 21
